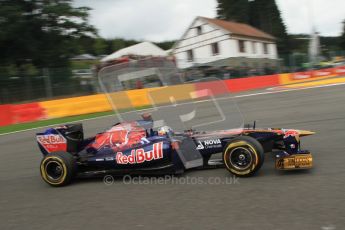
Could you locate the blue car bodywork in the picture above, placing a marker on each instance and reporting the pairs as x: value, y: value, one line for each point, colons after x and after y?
x: 136, y: 148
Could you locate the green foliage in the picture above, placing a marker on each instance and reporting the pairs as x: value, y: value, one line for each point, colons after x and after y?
x: 266, y: 16
x: 342, y: 38
x: 102, y: 46
x: 40, y: 32
x: 30, y: 70
x: 299, y: 43
x: 99, y: 46
x: 262, y: 14
x: 167, y: 45
x: 37, y: 35
x: 330, y: 43
x: 84, y: 64
x: 234, y: 10
x: 117, y: 44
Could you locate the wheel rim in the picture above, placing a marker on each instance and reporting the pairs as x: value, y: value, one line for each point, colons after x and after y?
x: 240, y: 158
x: 54, y: 170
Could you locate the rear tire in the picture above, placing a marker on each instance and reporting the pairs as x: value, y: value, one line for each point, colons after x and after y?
x: 243, y: 156
x: 58, y: 168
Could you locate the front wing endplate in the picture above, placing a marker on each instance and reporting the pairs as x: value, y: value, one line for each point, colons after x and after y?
x: 298, y: 161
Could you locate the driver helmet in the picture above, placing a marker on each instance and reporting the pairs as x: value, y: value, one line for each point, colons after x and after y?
x: 164, y: 130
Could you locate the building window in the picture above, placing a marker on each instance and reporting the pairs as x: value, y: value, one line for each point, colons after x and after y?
x: 199, y: 30
x: 254, y: 47
x: 241, y: 46
x: 265, y: 48
x: 215, y: 48
x: 190, y: 55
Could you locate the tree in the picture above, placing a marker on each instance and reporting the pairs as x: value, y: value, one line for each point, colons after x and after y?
x: 37, y: 34
x: 166, y: 45
x: 262, y: 14
x: 266, y: 16
x: 342, y: 38
x: 117, y: 44
x: 99, y: 46
x: 233, y: 10
x: 41, y: 32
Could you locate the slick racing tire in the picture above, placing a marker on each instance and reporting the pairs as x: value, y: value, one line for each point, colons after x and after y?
x: 243, y: 156
x: 58, y: 168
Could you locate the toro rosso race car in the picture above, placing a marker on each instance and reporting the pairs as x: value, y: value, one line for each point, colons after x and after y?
x: 136, y: 148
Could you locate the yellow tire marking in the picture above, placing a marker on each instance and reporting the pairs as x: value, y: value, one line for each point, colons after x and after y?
x: 44, y: 173
x: 238, y: 144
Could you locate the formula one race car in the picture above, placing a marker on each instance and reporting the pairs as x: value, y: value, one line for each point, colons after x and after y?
x: 136, y: 148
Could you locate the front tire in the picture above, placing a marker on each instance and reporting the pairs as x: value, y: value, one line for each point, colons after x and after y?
x: 243, y: 156
x: 58, y: 168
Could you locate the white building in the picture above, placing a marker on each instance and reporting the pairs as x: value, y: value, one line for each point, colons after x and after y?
x: 224, y: 43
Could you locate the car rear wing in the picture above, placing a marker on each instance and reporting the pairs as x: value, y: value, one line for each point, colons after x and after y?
x: 65, y: 138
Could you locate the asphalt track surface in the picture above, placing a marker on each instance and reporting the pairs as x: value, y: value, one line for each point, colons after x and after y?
x: 271, y: 200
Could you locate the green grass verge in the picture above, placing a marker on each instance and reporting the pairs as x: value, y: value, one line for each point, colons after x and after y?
x: 36, y: 124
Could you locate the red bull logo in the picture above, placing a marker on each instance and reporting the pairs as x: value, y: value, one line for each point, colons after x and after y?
x: 52, y: 142
x: 51, y: 139
x: 139, y: 156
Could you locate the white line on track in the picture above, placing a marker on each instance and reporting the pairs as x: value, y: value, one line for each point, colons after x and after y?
x: 222, y: 98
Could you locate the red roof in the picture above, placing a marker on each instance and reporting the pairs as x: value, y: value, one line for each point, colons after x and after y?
x: 239, y: 28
